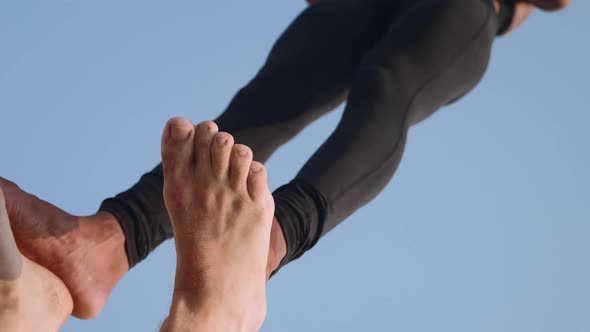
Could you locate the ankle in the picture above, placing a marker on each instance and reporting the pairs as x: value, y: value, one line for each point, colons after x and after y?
x: 278, y: 248
x: 107, y: 234
x: 109, y: 224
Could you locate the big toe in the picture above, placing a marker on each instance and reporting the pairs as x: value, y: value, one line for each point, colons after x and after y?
x: 177, y: 147
x: 10, y: 259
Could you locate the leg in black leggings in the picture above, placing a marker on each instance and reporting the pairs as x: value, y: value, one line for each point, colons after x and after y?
x: 401, y: 61
x: 434, y: 52
x: 308, y: 72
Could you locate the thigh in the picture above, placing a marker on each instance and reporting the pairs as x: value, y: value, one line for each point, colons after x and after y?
x: 308, y: 72
x: 436, y: 51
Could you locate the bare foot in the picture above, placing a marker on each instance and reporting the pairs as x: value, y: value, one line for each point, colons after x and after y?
x: 31, y: 297
x: 222, y: 213
x: 86, y: 253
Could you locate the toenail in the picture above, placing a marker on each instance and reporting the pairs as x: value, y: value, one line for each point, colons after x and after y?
x: 221, y: 140
x: 256, y: 168
x: 202, y: 126
x: 242, y: 153
x: 177, y: 133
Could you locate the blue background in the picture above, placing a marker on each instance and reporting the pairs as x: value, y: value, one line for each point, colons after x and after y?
x: 484, y: 228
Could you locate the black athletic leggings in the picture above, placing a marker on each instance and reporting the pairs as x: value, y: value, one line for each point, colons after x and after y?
x: 395, y: 62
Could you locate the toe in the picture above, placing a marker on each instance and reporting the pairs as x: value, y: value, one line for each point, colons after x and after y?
x: 177, y: 147
x: 10, y: 259
x: 257, y: 181
x: 240, y: 160
x: 220, y: 154
x: 204, y: 134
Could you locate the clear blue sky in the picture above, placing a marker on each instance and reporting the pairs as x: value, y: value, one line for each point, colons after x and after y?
x: 485, y: 227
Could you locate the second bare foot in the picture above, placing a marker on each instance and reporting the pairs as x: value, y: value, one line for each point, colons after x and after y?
x: 86, y: 253
x: 31, y: 297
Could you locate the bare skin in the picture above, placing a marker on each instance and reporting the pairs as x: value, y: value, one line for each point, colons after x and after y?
x: 31, y: 297
x: 70, y: 246
x: 86, y: 253
x: 222, y: 211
